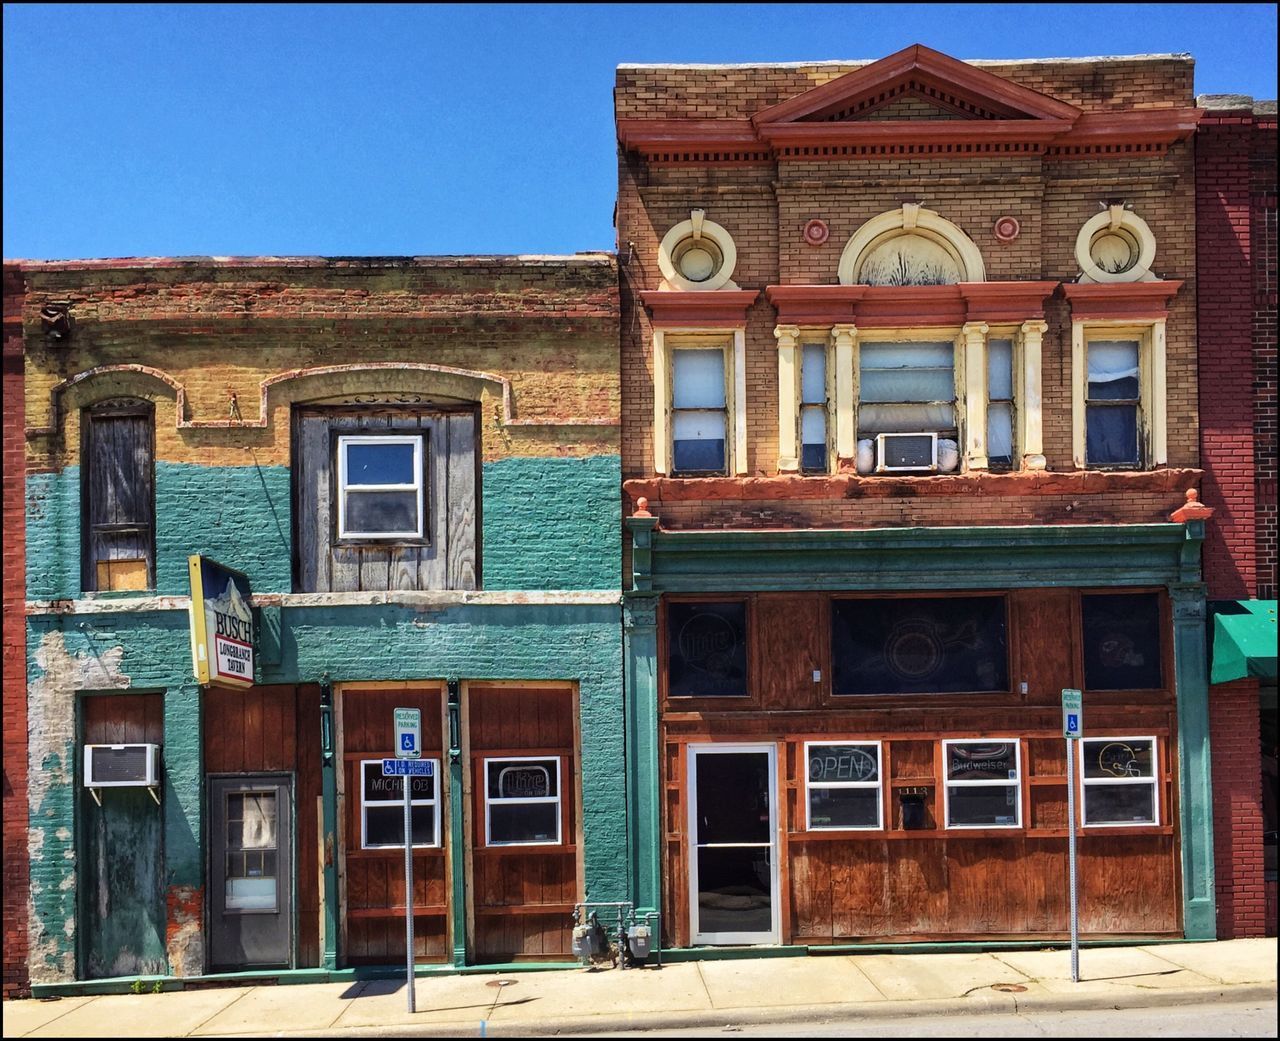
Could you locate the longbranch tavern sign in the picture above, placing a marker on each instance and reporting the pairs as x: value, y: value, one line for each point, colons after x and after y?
x: 221, y: 624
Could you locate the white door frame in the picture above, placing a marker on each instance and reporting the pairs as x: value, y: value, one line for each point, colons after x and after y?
x: 773, y: 845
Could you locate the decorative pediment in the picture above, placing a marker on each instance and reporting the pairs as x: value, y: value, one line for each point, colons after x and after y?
x: 934, y: 80
x: 918, y: 102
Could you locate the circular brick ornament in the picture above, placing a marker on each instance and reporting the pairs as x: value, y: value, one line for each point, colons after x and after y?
x: 816, y: 232
x: 1007, y: 229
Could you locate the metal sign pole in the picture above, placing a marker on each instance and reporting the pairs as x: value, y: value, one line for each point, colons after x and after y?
x: 1073, y: 731
x: 407, y: 781
x: 1071, y: 856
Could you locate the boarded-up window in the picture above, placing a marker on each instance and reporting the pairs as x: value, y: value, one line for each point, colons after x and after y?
x: 118, y: 495
x: 385, y: 499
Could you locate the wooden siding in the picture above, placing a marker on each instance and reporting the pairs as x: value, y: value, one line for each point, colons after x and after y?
x: 277, y: 730
x: 523, y: 896
x: 935, y: 883
x: 118, y: 475
x: 446, y: 558
x: 373, y: 879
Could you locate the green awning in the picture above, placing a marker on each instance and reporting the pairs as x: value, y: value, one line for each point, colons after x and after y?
x: 1244, y: 640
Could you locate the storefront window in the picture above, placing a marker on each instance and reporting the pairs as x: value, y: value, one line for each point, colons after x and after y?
x: 919, y: 645
x: 382, y: 808
x: 984, y: 786
x: 843, y: 786
x: 1119, y: 780
x: 707, y: 650
x: 522, y: 801
x: 1121, y: 634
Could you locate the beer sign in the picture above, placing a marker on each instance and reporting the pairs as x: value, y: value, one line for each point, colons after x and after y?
x: 222, y: 636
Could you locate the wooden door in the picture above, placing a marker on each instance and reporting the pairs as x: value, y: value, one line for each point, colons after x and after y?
x: 524, y: 849
x: 373, y: 832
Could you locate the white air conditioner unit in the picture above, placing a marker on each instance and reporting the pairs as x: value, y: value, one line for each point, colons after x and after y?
x: 907, y: 452
x: 121, y: 766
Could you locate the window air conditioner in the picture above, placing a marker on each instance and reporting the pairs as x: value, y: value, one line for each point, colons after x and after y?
x: 120, y: 766
x: 907, y: 452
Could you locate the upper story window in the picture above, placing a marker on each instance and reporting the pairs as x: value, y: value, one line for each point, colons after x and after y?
x: 907, y: 406
x: 813, y: 408
x: 699, y: 411
x: 385, y: 498
x: 707, y: 650
x: 1118, y: 392
x: 118, y: 495
x: 381, y: 482
x: 1000, y: 453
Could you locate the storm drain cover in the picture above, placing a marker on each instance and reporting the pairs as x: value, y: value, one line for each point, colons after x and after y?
x: 1009, y: 988
x: 501, y: 983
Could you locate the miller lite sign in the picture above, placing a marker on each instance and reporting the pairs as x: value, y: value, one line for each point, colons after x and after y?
x: 222, y: 636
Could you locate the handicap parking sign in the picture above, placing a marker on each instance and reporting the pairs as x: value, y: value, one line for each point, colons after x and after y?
x: 408, y: 726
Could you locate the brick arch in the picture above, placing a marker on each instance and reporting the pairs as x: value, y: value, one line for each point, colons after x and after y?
x: 112, y: 381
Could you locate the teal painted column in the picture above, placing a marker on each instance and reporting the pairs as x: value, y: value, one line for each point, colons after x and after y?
x: 644, y: 840
x: 1195, y: 781
x: 457, y: 869
x: 329, y: 802
x: 184, y: 829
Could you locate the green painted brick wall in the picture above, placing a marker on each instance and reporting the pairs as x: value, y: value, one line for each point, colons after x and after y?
x: 553, y: 523
x: 548, y: 523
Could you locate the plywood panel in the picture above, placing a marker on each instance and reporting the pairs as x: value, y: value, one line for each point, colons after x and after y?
x: 789, y: 641
x: 1043, y: 641
x: 1128, y: 884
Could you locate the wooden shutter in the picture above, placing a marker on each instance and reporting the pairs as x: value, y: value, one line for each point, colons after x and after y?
x: 118, y: 472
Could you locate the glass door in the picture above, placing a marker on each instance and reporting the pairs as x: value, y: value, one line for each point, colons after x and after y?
x: 733, y: 842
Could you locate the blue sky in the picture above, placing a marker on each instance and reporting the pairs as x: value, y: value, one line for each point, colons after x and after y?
x: 139, y: 130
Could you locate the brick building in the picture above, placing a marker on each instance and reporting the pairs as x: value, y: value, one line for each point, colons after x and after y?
x: 911, y: 444
x: 411, y: 468
x: 1236, y: 271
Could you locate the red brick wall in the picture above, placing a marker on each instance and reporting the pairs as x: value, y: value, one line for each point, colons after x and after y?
x: 1263, y: 234
x: 1225, y: 320
x: 1237, y: 808
x: 16, y: 872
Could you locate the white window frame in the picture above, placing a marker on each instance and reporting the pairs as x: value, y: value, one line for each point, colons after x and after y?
x: 1092, y: 782
x: 733, y: 342
x: 948, y: 784
x: 418, y: 486
x: 544, y: 800
x: 1152, y: 420
x: 399, y: 804
x: 878, y: 785
x: 1013, y: 337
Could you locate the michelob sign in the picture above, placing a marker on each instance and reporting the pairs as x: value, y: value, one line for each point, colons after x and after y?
x: 221, y: 624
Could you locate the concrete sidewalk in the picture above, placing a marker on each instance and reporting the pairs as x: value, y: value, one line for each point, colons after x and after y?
x: 687, y: 994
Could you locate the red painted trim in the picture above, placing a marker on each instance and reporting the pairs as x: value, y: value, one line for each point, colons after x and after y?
x: 960, y: 77
x: 723, y: 308
x: 1120, y: 300
x: 1145, y: 126
x: 703, y: 135
x: 872, y: 306
x: 657, y: 490
x: 896, y: 131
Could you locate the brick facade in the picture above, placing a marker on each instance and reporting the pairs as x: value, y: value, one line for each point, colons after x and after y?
x: 1237, y: 809
x: 15, y: 655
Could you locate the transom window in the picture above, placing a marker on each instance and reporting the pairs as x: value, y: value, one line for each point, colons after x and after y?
x: 700, y: 414
x: 382, y: 808
x: 381, y: 486
x: 983, y: 783
x: 1121, y: 636
x: 707, y: 650
x: 843, y: 786
x: 522, y: 801
x: 1119, y: 781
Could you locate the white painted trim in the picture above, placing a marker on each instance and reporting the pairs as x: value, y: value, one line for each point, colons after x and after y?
x: 1157, y: 407
x: 878, y: 785
x: 845, y: 338
x: 399, y: 804
x: 1031, y: 406
x: 1116, y: 217
x: 698, y: 227
x: 738, y: 464
x: 948, y: 784
x: 1078, y: 378
x: 974, y: 338
x: 1153, y: 405
x: 788, y: 337
x: 438, y: 598
x: 1153, y: 781
x: 911, y: 219
x: 696, y: 936
x: 661, y: 404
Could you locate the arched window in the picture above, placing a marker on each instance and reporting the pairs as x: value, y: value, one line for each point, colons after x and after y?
x: 910, y: 246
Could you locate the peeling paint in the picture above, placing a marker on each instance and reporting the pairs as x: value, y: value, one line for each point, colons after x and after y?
x: 184, y: 935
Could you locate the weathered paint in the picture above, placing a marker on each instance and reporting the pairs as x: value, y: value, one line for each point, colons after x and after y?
x: 151, y: 650
x: 928, y: 558
x: 548, y: 523
x: 552, y: 523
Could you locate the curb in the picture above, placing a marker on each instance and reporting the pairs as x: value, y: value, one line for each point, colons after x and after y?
x: 972, y: 1004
